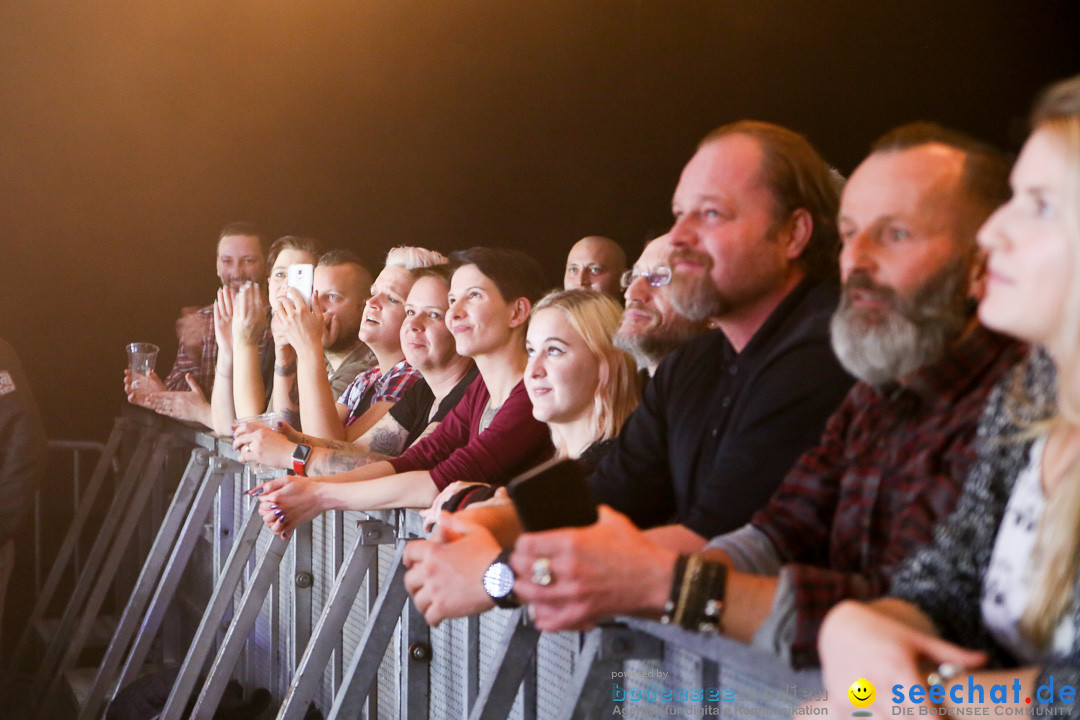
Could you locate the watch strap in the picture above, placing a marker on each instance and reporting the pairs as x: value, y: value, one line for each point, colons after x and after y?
x: 509, y: 600
x: 299, y: 459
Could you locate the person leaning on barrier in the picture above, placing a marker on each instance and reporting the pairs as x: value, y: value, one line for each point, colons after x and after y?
x: 240, y: 320
x: 584, y: 388
x: 651, y: 327
x: 998, y: 586
x: 22, y: 457
x: 183, y: 394
x: 726, y: 415
x: 490, y: 435
x: 595, y: 263
x: 429, y: 347
x: 891, y: 460
x: 372, y: 393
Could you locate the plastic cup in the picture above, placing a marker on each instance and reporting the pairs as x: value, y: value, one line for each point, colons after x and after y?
x: 270, y: 420
x: 142, y: 358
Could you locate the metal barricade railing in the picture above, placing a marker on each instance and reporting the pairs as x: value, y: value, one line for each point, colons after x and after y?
x: 324, y: 619
x: 74, y: 452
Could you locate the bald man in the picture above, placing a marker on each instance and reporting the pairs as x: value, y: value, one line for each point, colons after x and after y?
x: 595, y: 263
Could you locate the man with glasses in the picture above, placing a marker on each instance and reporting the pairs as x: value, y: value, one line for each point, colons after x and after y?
x: 893, y: 457
x: 595, y: 263
x: 651, y: 327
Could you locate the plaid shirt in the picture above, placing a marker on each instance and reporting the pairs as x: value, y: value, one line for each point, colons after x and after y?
x: 372, y: 386
x: 889, y: 466
x: 202, y: 368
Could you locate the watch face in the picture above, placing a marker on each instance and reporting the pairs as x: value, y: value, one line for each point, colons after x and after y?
x: 499, y: 580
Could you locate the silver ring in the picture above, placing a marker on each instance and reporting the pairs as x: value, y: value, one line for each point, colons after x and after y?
x: 541, y: 572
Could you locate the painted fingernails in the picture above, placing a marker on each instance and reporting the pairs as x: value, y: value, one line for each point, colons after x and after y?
x: 255, y: 492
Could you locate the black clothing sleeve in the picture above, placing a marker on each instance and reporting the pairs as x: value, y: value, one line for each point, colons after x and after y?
x: 22, y: 442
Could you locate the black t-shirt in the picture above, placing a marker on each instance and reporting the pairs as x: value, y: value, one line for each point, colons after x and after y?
x: 412, y: 411
x: 716, y: 431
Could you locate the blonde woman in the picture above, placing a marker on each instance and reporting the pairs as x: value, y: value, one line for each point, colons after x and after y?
x: 584, y: 388
x: 580, y: 384
x: 997, y: 588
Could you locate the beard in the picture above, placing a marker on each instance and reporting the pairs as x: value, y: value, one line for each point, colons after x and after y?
x: 695, y: 297
x: 649, y: 346
x: 880, y: 346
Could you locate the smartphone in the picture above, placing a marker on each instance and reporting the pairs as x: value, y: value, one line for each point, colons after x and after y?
x: 302, y: 277
x: 553, y: 495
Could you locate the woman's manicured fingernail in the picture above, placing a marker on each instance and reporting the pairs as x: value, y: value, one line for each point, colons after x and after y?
x: 255, y: 492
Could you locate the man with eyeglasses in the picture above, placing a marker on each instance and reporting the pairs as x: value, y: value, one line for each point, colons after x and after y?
x: 651, y: 327
x: 595, y: 263
x: 893, y: 457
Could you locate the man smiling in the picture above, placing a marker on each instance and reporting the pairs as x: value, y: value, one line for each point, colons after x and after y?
x: 892, y: 458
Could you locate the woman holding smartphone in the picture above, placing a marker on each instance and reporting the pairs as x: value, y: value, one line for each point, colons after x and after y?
x: 998, y: 587
x: 489, y: 436
x: 240, y: 318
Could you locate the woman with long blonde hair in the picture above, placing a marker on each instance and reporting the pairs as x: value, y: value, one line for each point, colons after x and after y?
x: 998, y: 586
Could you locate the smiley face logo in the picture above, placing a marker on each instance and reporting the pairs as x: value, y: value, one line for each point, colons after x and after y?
x: 862, y: 693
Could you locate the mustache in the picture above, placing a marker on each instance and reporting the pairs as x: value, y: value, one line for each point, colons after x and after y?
x: 861, y: 280
x: 696, y: 256
x: 639, y: 306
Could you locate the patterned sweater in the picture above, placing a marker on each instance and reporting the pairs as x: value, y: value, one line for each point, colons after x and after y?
x: 945, y: 578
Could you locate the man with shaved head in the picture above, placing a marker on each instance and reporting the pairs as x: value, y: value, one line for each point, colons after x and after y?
x: 595, y: 263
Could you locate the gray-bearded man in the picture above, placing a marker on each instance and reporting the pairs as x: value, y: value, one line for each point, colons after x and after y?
x: 893, y: 457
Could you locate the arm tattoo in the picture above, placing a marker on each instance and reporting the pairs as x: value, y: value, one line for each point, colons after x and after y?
x: 285, y: 370
x: 388, y: 441
x: 339, y: 461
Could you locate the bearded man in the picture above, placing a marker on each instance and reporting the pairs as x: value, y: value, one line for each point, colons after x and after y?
x: 893, y: 457
x: 651, y: 327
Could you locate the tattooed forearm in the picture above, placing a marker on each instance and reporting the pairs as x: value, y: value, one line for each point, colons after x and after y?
x: 286, y: 370
x: 333, y: 462
x: 388, y: 441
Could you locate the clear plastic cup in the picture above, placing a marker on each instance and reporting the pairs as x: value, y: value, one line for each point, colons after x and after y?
x: 268, y: 419
x: 142, y: 358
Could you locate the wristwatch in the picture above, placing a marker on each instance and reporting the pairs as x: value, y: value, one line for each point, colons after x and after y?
x: 299, y: 459
x: 499, y: 581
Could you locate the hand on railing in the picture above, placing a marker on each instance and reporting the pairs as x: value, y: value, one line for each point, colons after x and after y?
x: 261, y: 445
x: 575, y: 577
x: 286, y: 502
x: 446, y: 572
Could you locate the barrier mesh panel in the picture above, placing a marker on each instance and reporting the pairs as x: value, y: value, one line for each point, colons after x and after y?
x: 556, y: 658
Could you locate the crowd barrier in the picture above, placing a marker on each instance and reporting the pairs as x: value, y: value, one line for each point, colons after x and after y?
x: 198, y: 584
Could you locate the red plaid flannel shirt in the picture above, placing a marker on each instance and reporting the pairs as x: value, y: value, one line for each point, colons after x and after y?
x: 889, y: 466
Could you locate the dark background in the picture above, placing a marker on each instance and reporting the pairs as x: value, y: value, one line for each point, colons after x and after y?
x: 130, y: 131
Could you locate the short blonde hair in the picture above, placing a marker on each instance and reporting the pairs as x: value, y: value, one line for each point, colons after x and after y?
x: 596, y: 317
x: 414, y: 258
